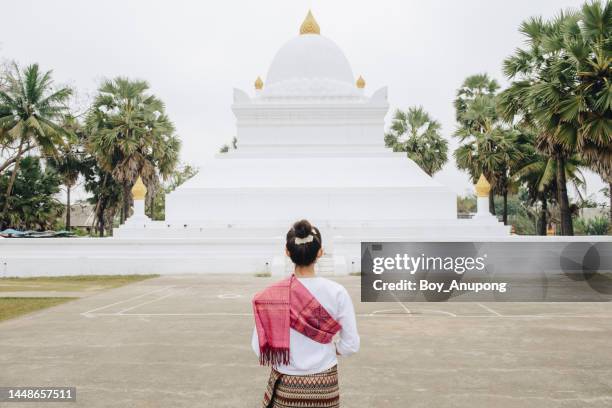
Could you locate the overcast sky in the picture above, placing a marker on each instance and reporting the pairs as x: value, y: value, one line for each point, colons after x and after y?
x: 194, y: 53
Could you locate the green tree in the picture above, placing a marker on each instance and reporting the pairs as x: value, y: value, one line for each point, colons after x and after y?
x: 561, y: 87
x: 495, y: 154
x: 587, y: 40
x: 478, y: 130
x: 106, y: 195
x: 30, y: 111
x: 487, y: 145
x: 476, y: 87
x: 521, y: 214
x: 70, y: 163
x: 32, y: 204
x: 417, y: 134
x: 131, y: 135
x: 593, y: 226
x: 537, y: 172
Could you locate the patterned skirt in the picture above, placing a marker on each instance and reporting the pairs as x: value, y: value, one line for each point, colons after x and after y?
x: 304, y: 391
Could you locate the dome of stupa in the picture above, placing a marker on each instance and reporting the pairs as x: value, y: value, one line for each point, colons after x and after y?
x: 310, y: 65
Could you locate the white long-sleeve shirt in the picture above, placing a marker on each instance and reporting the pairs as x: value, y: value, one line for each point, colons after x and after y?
x: 308, y: 356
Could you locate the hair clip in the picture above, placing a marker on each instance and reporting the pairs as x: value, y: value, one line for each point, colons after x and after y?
x: 300, y: 241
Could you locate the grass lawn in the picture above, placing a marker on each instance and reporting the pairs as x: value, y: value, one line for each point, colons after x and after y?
x: 69, y: 283
x: 15, y: 306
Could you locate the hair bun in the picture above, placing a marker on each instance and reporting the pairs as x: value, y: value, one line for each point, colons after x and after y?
x: 302, y: 228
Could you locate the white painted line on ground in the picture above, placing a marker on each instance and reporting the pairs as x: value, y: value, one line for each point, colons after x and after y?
x: 382, y: 311
x: 143, y: 303
x: 400, y: 303
x: 229, y: 296
x: 89, y: 312
x: 404, y: 307
x: 488, y: 309
x: 152, y: 301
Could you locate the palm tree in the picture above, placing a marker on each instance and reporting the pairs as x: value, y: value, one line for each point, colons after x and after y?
x: 106, y: 195
x: 487, y: 146
x: 538, y: 173
x: 30, y: 109
x: 562, y: 88
x: 591, y: 59
x: 495, y: 154
x: 587, y: 44
x: 479, y: 128
x: 131, y: 135
x: 417, y: 134
x: 70, y: 162
x: 478, y: 86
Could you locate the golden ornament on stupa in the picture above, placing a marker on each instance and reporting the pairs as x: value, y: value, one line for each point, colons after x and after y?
x: 360, y: 83
x: 139, y: 191
x: 483, y: 188
x: 258, y: 83
x: 310, y: 25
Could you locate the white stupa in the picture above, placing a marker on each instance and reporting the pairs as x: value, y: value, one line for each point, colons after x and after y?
x: 310, y: 145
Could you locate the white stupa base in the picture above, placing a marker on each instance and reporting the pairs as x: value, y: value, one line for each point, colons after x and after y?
x: 138, y: 220
x: 169, y: 256
x: 482, y: 210
x: 250, y: 247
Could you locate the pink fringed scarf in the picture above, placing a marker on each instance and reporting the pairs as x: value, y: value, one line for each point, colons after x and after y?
x: 289, y: 304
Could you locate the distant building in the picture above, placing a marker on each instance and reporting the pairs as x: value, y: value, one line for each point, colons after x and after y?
x: 82, y: 215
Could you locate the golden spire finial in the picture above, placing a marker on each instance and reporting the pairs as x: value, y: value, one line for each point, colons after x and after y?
x: 310, y: 26
x: 360, y: 82
x: 258, y: 83
x: 482, y: 186
x: 139, y: 191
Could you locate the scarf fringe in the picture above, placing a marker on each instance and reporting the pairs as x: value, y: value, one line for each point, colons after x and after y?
x: 273, y: 356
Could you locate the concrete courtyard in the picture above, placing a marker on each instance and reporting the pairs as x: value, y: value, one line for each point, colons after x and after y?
x: 184, y: 341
